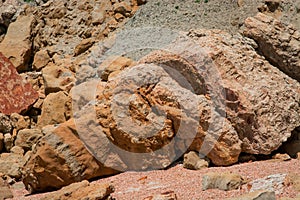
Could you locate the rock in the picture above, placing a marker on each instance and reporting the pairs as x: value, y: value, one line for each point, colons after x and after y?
x: 282, y: 157
x: 298, y: 155
x: 270, y: 183
x: 259, y: 195
x: 54, y: 109
x: 279, y: 43
x: 5, y: 124
x: 19, y: 122
x: 26, y: 138
x: 170, y: 195
x: 57, y: 78
x: 258, y: 104
x: 11, y: 164
x: 294, y: 180
x: 8, y: 141
x: 16, y: 95
x: 41, y: 59
x: 194, y: 162
x: 5, y: 191
x: 83, y: 46
x: 122, y: 8
x: 17, y: 150
x: 9, y: 11
x: 82, y: 190
x: 113, y: 65
x: 17, y: 42
x: 222, y: 181
x: 59, y: 159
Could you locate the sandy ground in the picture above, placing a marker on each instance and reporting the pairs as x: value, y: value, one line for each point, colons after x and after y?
x: 187, y: 184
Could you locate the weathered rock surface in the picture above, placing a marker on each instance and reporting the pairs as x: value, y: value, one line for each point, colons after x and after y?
x: 278, y: 42
x: 54, y: 109
x: 273, y: 183
x: 15, y: 95
x: 194, y: 162
x: 5, y: 124
x: 59, y: 159
x: 11, y: 164
x: 82, y: 190
x: 261, y: 101
x: 26, y: 138
x: 222, y: 181
x: 57, y: 78
x: 5, y: 191
x: 16, y: 45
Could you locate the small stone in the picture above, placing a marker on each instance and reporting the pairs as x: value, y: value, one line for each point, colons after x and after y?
x: 19, y: 122
x: 83, y: 46
x: 17, y: 150
x: 170, y: 195
x: 194, y: 162
x: 5, y: 191
x: 122, y: 8
x: 41, y: 59
x: 8, y: 141
x: 28, y: 137
x: 5, y: 123
x: 222, y: 181
x: 273, y: 182
x: 298, y: 155
x: 283, y: 157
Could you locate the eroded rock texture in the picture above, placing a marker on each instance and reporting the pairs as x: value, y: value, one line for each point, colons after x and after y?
x: 15, y: 95
x: 59, y: 159
x: 278, y: 42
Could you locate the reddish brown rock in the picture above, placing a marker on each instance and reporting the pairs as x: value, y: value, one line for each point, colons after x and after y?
x: 15, y: 94
x: 59, y: 159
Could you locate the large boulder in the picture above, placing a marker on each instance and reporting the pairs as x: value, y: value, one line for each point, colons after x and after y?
x: 261, y: 101
x: 17, y: 42
x: 59, y: 159
x: 278, y: 42
x: 16, y: 95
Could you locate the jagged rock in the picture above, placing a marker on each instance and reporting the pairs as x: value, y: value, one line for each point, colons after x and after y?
x: 279, y: 43
x: 113, y: 66
x: 82, y: 190
x: 261, y: 101
x: 194, y: 162
x: 11, y: 164
x: 54, y: 109
x: 17, y: 42
x: 83, y: 46
x: 26, y: 138
x: 9, y: 11
x: 19, y: 122
x: 17, y: 150
x: 41, y: 59
x: 16, y: 95
x: 57, y: 78
x: 5, y: 191
x: 5, y: 124
x: 222, y: 181
x: 273, y: 183
x: 259, y: 195
x: 59, y: 159
x: 8, y: 141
